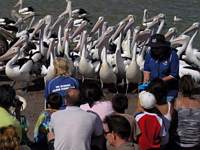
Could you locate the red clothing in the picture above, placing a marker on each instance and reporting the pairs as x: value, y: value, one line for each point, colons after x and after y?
x: 152, y: 128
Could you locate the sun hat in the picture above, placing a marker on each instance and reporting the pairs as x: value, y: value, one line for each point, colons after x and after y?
x: 158, y: 40
x: 147, y: 100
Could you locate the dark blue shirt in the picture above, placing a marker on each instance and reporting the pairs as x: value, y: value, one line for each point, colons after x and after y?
x: 163, y: 68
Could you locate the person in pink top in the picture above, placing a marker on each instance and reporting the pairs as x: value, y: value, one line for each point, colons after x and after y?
x: 92, y: 94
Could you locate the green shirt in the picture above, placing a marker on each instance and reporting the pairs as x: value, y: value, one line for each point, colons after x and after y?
x: 7, y: 119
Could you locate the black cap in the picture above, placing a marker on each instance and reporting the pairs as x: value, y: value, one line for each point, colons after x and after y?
x: 158, y: 40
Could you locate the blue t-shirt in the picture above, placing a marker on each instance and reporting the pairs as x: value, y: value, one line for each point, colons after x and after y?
x: 60, y: 84
x: 162, y: 68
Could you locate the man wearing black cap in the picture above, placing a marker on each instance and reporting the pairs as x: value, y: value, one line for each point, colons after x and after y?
x: 162, y: 62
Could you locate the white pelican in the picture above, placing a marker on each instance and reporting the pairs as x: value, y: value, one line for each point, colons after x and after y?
x: 97, y: 26
x: 182, y: 40
x: 119, y: 61
x: 133, y: 73
x: 106, y: 73
x: 86, y: 68
x: 13, y: 51
x: 171, y: 33
x: 49, y: 70
x: 18, y: 72
x: 192, y: 55
x: 186, y: 69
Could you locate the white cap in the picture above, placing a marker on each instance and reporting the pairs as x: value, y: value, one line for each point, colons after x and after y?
x: 147, y: 100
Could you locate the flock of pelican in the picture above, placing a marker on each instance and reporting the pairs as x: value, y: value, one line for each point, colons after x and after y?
x: 112, y: 54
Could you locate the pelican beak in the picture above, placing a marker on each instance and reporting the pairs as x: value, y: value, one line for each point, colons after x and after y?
x: 129, y: 25
x: 69, y: 24
x: 38, y: 26
x: 7, y: 34
x: 98, y: 24
x: 121, y: 26
x: 192, y: 28
x: 105, y: 37
x: 9, y: 54
x: 79, y: 29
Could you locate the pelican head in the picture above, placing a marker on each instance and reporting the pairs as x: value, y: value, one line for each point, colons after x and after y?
x: 195, y: 26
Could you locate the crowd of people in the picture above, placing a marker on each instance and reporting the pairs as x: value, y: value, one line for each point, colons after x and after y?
x: 79, y: 116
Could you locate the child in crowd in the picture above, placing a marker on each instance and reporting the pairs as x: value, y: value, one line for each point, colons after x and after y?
x: 92, y: 94
x: 150, y: 123
x: 54, y: 102
x: 120, y: 104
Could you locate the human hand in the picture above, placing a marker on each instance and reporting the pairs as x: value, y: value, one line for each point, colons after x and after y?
x: 50, y: 136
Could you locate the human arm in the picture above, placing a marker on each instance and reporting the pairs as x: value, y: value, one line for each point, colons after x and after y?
x: 50, y: 137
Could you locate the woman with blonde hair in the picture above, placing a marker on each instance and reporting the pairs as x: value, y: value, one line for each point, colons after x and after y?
x: 62, y: 80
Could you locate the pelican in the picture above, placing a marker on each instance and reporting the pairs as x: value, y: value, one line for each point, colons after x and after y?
x: 106, y: 73
x: 13, y: 51
x: 171, y: 33
x: 133, y: 73
x: 182, y: 40
x: 119, y: 61
x: 86, y: 68
x: 97, y: 26
x: 17, y: 72
x: 194, y: 27
x: 60, y: 48
x: 177, y: 19
x: 49, y: 70
x: 26, y: 11
x: 186, y: 69
x: 192, y: 54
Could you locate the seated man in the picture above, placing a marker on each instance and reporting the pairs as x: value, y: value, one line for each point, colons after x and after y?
x: 74, y: 128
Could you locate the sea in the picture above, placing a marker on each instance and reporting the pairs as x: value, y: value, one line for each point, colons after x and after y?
x: 115, y: 10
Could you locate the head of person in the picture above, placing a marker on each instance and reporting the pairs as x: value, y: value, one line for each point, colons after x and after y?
x: 120, y: 103
x: 61, y: 67
x: 7, y: 96
x: 72, y: 97
x: 160, y: 48
x: 9, y: 139
x: 117, y: 130
x: 158, y: 89
x: 54, y: 100
x: 186, y: 85
x: 91, y: 92
x: 147, y: 101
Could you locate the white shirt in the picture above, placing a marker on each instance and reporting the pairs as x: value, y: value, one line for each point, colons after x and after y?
x: 73, y: 128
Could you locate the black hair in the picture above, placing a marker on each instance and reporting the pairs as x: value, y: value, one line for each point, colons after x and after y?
x: 160, y: 53
x: 7, y: 96
x: 54, y: 100
x: 186, y: 85
x: 158, y: 88
x: 120, y: 103
x: 119, y: 125
x: 91, y: 92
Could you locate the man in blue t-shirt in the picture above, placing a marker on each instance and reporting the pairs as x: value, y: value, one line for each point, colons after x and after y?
x: 161, y: 61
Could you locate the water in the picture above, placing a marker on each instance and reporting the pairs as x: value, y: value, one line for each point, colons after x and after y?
x: 115, y: 10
